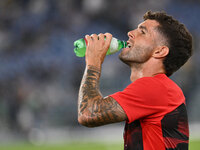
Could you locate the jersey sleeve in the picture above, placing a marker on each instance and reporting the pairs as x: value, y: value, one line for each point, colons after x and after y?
x: 143, y: 98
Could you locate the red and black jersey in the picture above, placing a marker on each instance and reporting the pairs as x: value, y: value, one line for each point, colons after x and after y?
x: 157, y: 115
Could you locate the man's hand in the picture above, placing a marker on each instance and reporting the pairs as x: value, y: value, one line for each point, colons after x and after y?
x: 97, y: 48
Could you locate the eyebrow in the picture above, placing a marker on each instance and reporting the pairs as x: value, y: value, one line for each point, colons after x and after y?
x: 143, y: 28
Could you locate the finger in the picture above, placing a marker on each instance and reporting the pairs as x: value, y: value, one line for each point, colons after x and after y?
x: 94, y: 37
x: 101, y: 36
x: 108, y: 39
x: 88, y: 38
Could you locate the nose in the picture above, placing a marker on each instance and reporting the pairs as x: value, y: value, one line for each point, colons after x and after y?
x: 130, y: 34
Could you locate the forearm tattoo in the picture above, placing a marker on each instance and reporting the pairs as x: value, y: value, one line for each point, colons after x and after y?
x: 92, y: 107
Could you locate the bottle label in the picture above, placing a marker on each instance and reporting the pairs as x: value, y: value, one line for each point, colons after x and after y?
x: 113, y: 45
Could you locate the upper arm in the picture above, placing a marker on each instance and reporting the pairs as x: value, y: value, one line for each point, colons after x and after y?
x: 101, y: 111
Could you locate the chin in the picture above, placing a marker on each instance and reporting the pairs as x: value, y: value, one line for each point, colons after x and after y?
x: 124, y: 52
x: 125, y: 60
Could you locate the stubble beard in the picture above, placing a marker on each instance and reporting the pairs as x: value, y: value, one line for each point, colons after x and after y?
x: 136, y: 56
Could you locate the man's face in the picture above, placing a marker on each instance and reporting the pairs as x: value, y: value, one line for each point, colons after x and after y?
x: 141, y: 43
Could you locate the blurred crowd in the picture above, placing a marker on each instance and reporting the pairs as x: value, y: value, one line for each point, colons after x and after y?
x: 39, y: 72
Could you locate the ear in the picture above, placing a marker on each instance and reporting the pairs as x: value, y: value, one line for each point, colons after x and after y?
x: 161, y: 51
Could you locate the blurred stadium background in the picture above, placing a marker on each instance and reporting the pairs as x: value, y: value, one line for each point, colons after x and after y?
x: 40, y: 74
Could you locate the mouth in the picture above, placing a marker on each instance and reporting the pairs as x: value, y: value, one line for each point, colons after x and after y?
x: 129, y: 44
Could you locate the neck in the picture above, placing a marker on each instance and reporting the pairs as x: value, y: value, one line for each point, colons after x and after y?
x: 147, y: 69
x: 136, y: 72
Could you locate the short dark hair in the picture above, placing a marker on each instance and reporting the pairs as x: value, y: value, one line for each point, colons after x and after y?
x: 178, y: 39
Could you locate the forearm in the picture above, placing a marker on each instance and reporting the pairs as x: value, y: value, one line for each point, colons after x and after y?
x: 89, y: 94
x: 93, y: 109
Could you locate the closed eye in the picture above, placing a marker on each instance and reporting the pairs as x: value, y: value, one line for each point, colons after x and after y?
x: 142, y: 32
x: 143, y: 29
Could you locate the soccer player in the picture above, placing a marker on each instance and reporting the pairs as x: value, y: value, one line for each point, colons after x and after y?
x: 153, y: 106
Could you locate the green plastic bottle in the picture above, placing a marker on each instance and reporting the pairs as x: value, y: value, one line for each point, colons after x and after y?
x: 115, y: 46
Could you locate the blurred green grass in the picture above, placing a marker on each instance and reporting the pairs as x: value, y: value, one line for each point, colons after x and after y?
x: 194, y: 145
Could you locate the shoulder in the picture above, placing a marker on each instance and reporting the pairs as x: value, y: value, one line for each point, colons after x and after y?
x: 150, y: 89
x: 150, y: 83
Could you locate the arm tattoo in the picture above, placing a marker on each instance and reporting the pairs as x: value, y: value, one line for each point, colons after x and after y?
x: 93, y: 109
